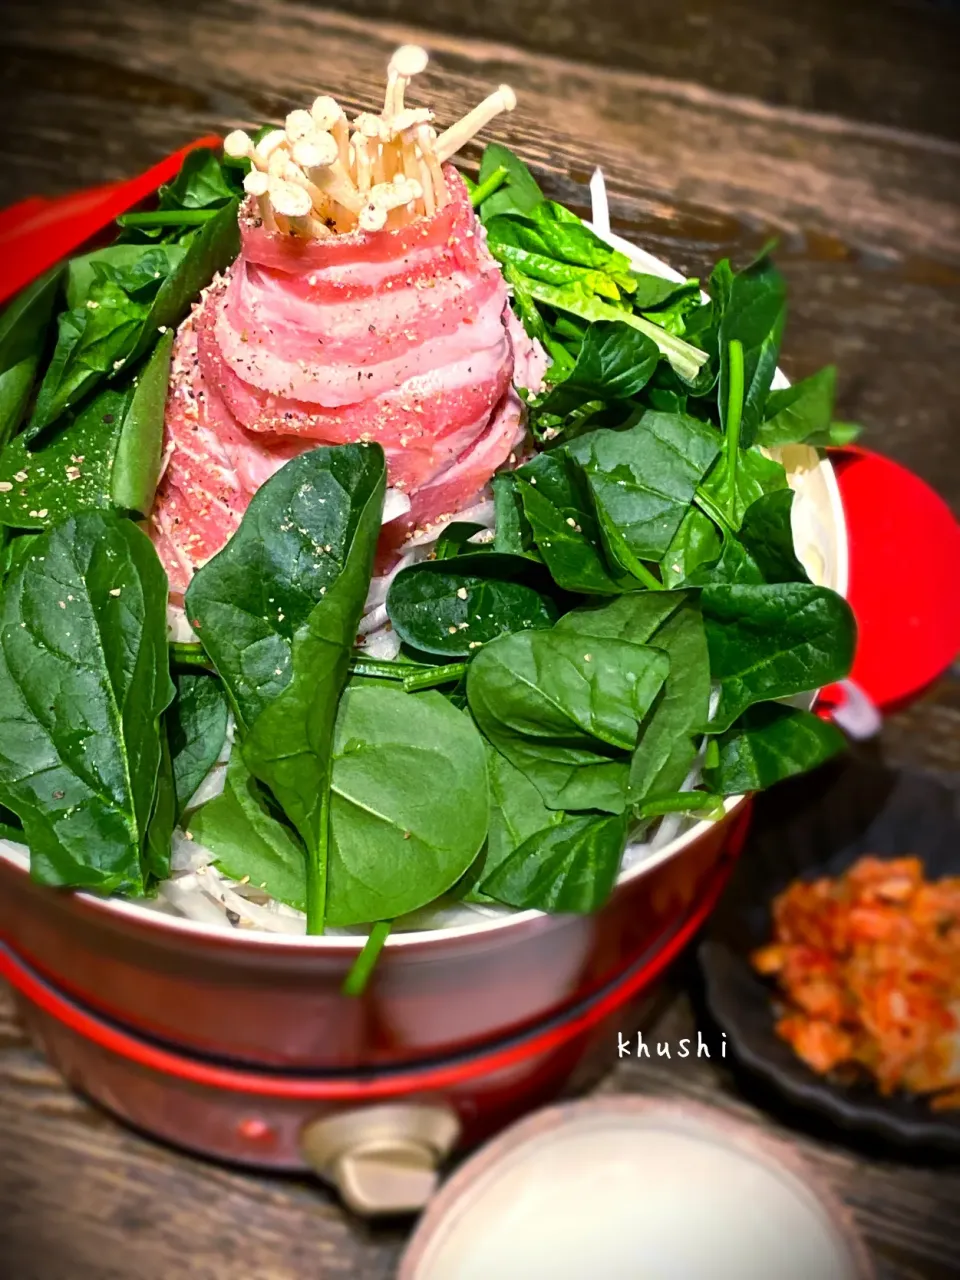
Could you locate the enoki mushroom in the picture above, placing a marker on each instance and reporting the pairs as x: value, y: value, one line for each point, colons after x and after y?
x: 321, y: 175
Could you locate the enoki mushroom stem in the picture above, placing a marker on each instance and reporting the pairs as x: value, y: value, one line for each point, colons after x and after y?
x: 320, y: 175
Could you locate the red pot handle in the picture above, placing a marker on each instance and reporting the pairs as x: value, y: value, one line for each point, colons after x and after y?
x: 37, y: 233
x: 904, y: 587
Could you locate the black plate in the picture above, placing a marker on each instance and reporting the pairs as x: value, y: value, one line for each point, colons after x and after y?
x: 820, y: 827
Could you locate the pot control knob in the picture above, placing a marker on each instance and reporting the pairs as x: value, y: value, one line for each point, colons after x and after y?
x: 383, y: 1159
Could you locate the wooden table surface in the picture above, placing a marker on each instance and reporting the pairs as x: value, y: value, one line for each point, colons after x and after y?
x: 712, y: 122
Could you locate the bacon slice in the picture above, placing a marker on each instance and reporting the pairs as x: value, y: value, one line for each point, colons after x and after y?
x: 403, y: 336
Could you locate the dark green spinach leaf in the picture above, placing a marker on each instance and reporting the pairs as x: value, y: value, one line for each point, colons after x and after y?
x: 107, y: 456
x: 518, y: 194
x: 643, y: 480
x: 800, y: 414
x: 452, y: 607
x: 292, y: 546
x: 562, y: 708
x: 615, y: 362
x: 197, y: 730
x: 517, y: 812
x: 696, y: 544
x: 755, y: 475
x: 769, y: 743
x: 770, y: 642
x: 248, y: 840
x: 24, y: 329
x: 559, y: 511
x: 409, y: 807
x: 569, y: 867
x: 84, y: 680
x: 333, y: 500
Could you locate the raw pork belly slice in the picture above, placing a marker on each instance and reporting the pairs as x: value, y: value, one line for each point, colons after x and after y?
x: 401, y: 336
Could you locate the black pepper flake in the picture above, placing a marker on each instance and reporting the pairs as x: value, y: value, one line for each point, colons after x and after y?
x: 107, y: 417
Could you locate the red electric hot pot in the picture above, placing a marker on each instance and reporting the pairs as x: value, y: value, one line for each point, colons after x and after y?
x: 240, y: 1045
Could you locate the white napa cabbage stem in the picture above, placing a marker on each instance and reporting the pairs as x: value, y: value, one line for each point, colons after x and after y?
x: 179, y: 630
x: 481, y: 513
x: 599, y: 205
x: 382, y: 645
x: 396, y: 503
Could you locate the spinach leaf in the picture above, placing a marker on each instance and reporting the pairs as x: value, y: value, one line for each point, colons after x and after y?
x: 755, y: 476
x: 838, y: 434
x: 409, y: 806
x: 24, y: 327
x: 108, y: 455
x: 517, y: 812
x: 571, y: 867
x: 537, y: 266
x: 557, y: 506
x: 163, y: 817
x: 455, y: 540
x: 14, y: 549
x: 767, y: 537
x: 753, y: 304
x: 635, y: 618
x: 762, y: 551
x: 614, y: 363
x: 135, y: 472
x: 671, y: 306
x: 202, y: 183
x: 408, y: 812
x: 92, y: 342
x: 71, y: 473
x: 769, y: 743
x: 278, y: 610
x: 642, y: 481
x: 294, y: 542
x: 84, y: 681
x: 452, y: 607
x: 239, y: 828
x: 139, y: 270
x: 512, y: 534
x: 654, y: 295
x: 197, y: 730
x: 111, y: 330
x: 670, y: 622
x: 800, y: 414
x: 563, y: 235
x: 696, y: 543
x: 518, y: 194
x: 579, y: 301
x: 769, y: 642
x: 561, y: 707
x: 209, y: 249
x: 667, y: 748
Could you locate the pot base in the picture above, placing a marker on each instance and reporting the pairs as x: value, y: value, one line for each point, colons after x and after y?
x: 258, y: 1117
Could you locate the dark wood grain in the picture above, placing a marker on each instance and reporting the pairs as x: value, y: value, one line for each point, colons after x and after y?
x: 887, y: 61
x: 868, y: 218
